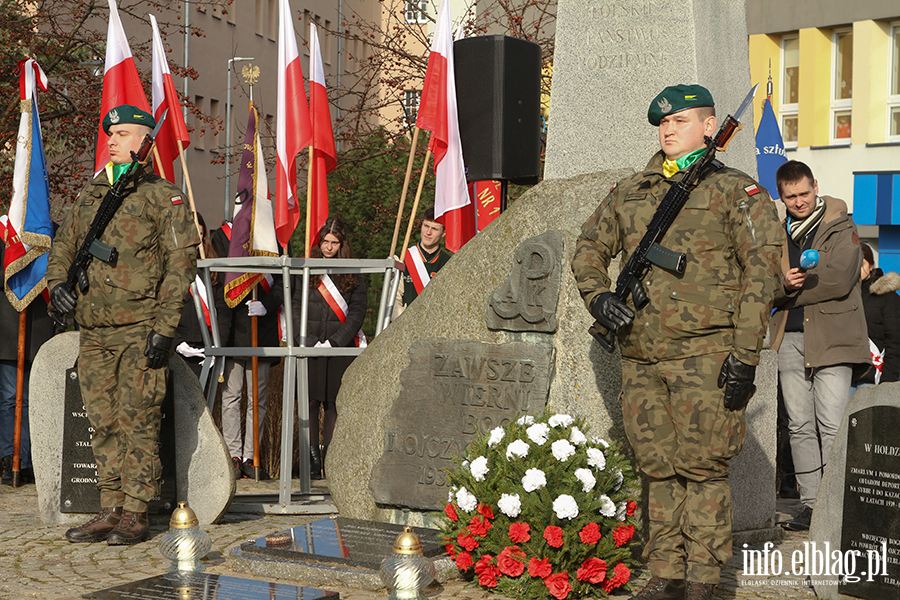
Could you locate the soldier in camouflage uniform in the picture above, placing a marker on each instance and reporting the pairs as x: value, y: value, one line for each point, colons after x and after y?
x: 128, y: 317
x: 701, y: 331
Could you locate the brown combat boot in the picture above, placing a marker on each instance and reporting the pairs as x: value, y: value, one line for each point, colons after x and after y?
x: 98, y: 528
x: 132, y: 529
x: 699, y: 591
x: 661, y: 589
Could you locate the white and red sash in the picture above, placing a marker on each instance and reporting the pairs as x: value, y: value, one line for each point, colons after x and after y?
x: 877, y: 360
x: 337, y: 303
x: 204, y: 299
x: 415, y: 266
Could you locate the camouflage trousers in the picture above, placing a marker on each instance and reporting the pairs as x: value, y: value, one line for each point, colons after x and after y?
x: 683, y: 436
x: 122, y: 398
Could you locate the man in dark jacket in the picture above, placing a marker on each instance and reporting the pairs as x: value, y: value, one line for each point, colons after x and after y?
x: 882, y: 304
x: 819, y: 328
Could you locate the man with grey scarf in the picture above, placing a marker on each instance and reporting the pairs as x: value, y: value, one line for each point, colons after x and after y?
x: 819, y: 327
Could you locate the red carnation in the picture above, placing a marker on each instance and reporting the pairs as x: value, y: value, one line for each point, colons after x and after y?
x: 553, y: 535
x: 539, y: 568
x: 623, y: 534
x: 451, y: 550
x: 466, y: 541
x: 590, y: 533
x: 479, y: 527
x: 558, y: 584
x: 630, y: 506
x: 464, y: 560
x: 520, y: 532
x: 485, y: 510
x: 592, y: 570
x: 451, y: 512
x: 486, y: 571
x: 508, y: 561
x: 621, y: 576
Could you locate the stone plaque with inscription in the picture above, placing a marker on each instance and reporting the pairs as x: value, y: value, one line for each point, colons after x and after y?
x: 871, y: 513
x: 453, y: 391
x: 178, y: 586
x: 78, y: 486
x: 527, y: 300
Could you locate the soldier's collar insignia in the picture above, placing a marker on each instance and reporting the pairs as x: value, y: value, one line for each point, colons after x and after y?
x: 114, y: 116
x: 664, y: 105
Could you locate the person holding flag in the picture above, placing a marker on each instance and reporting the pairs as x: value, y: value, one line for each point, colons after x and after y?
x: 335, y: 314
x: 423, y: 261
x: 128, y: 308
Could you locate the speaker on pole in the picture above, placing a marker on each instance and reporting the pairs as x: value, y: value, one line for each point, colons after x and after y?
x: 498, y: 95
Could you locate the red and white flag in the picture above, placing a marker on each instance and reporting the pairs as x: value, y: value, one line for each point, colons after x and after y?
x: 437, y: 113
x: 165, y: 96
x: 293, y: 131
x: 324, y: 155
x: 121, y: 83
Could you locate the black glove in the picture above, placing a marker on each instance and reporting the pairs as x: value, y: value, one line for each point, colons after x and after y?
x: 611, y: 312
x: 157, y: 351
x: 63, y: 300
x: 737, y: 379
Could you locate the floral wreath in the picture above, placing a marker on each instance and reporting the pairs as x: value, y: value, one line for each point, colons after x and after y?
x: 534, y: 524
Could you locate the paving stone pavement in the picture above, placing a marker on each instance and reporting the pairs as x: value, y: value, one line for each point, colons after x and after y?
x: 37, y: 562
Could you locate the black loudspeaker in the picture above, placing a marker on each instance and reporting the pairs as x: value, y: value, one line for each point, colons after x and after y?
x: 498, y: 94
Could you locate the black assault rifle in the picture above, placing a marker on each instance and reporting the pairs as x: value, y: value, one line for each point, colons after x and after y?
x: 649, y: 251
x: 92, y: 246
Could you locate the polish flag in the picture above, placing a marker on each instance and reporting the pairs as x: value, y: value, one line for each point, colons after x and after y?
x: 437, y: 113
x: 121, y: 83
x: 293, y: 132
x: 165, y: 96
x: 324, y: 154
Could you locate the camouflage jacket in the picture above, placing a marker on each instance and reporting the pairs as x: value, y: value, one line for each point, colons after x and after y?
x: 154, y: 232
x: 730, y: 232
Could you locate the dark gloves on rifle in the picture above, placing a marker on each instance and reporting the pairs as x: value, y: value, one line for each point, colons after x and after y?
x: 157, y: 351
x: 737, y: 379
x: 63, y: 300
x: 611, y: 312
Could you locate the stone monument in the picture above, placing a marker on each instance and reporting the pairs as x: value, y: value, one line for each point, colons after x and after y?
x: 203, y: 465
x: 612, y: 58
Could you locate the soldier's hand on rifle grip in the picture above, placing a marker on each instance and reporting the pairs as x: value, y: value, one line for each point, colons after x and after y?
x: 83, y: 284
x: 63, y: 300
x: 157, y: 351
x: 611, y: 312
x: 737, y: 379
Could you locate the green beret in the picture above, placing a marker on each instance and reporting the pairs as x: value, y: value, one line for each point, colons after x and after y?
x: 677, y: 98
x: 126, y: 114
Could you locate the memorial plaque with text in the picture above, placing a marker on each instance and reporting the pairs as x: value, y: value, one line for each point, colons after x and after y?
x: 453, y: 392
x: 350, y: 542
x: 871, y: 512
x: 78, y: 488
x: 204, y: 586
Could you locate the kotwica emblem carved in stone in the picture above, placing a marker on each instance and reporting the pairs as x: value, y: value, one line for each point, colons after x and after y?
x: 527, y: 300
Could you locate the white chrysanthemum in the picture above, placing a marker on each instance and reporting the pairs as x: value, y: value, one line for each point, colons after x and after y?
x: 560, y: 421
x: 534, y: 479
x: 620, y: 511
x: 619, y: 478
x: 596, y: 458
x: 586, y: 478
x: 599, y: 442
x: 518, y: 448
x: 496, y: 435
x: 538, y: 433
x: 607, y: 506
x: 525, y: 420
x: 510, y: 505
x: 479, y: 468
x: 465, y: 500
x: 577, y: 437
x: 562, y: 450
x: 565, y: 507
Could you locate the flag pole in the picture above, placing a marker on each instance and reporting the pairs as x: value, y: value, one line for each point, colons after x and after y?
x: 254, y: 367
x: 159, y: 163
x: 309, y: 181
x: 415, y: 207
x: 190, y: 191
x: 20, y: 388
x: 409, y: 166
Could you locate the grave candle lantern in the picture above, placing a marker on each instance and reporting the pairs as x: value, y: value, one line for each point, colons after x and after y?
x: 407, y: 570
x: 185, y: 543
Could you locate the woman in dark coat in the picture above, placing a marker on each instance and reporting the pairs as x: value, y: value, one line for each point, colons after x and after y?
x: 882, y: 306
x: 337, y: 307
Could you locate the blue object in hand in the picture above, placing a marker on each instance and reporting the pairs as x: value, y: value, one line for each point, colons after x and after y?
x: 809, y: 260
